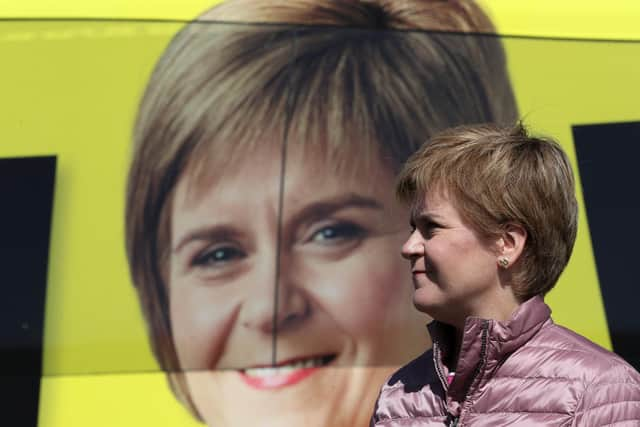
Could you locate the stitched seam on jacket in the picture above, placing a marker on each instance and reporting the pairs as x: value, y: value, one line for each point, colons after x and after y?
x: 584, y: 393
x: 565, y: 350
x: 618, y: 422
x: 609, y: 404
x: 520, y: 412
x: 538, y: 378
x: 413, y: 417
x: 619, y: 382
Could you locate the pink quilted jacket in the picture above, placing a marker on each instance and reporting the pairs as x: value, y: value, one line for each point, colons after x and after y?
x: 528, y: 372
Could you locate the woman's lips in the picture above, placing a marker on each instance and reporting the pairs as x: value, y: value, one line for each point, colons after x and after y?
x: 422, y: 270
x: 286, y: 373
x: 415, y: 273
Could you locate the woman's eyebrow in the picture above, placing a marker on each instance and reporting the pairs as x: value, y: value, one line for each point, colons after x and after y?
x: 208, y: 233
x: 324, y: 207
x: 423, y: 218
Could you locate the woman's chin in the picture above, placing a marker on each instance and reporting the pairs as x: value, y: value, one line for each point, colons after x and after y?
x: 425, y: 300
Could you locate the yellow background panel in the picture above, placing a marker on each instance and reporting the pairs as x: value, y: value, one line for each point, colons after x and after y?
x: 110, y: 401
x: 71, y: 89
x: 568, y: 18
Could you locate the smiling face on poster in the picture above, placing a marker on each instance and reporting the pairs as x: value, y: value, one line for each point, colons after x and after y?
x: 263, y: 234
x: 342, y: 314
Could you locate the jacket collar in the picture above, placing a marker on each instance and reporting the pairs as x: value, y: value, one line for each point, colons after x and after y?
x: 485, y: 344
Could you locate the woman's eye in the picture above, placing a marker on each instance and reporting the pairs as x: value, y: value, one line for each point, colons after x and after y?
x: 218, y: 256
x: 429, y: 228
x: 335, y: 233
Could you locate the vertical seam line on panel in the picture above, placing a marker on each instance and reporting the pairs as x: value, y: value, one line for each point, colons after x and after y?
x: 283, y: 164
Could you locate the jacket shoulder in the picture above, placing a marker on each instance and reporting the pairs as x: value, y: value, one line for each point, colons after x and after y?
x: 611, y: 392
x: 595, y: 386
x: 558, y: 373
x: 613, y: 397
x: 556, y: 352
x: 583, y: 359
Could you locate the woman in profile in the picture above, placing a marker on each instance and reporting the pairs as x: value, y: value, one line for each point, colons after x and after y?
x: 261, y: 222
x: 494, y: 219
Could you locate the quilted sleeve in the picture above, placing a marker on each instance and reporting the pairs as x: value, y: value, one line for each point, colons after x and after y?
x: 612, y: 399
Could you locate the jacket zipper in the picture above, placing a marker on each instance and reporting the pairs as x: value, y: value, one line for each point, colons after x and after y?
x: 436, y: 350
x: 445, y: 385
x: 454, y: 420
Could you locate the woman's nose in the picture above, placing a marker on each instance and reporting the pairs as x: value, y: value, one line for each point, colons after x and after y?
x: 275, y: 308
x: 413, y: 247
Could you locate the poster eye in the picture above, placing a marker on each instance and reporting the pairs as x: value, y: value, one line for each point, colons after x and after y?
x: 218, y: 256
x: 338, y: 232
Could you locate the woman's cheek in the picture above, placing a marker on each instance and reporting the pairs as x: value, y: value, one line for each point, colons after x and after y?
x: 201, y: 320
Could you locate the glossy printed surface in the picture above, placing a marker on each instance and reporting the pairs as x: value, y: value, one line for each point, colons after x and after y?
x: 343, y: 317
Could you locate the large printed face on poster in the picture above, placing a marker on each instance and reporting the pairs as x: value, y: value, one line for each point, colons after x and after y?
x: 262, y: 229
x: 224, y: 212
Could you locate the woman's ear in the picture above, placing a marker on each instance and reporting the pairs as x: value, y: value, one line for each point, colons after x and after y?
x: 511, y: 244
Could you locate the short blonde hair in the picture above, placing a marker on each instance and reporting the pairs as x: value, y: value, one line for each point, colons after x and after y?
x: 498, y: 176
x: 346, y: 77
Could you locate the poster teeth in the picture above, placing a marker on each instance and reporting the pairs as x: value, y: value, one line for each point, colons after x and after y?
x: 284, y: 369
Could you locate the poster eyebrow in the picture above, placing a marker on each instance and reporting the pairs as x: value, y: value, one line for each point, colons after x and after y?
x: 207, y: 232
x: 325, y: 207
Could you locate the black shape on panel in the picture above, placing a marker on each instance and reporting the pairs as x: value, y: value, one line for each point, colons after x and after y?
x: 26, y: 200
x: 609, y: 164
